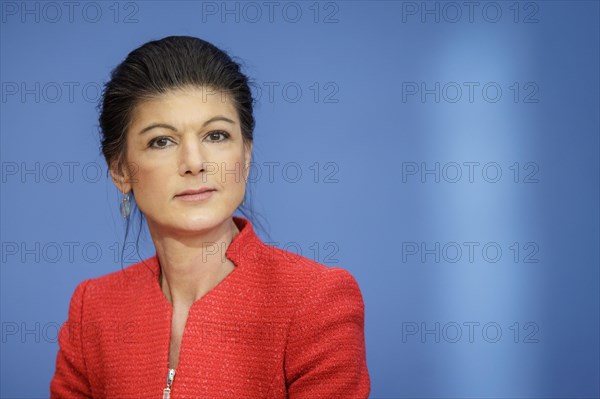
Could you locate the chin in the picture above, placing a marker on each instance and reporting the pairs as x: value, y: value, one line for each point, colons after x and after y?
x: 201, y: 220
x: 190, y: 220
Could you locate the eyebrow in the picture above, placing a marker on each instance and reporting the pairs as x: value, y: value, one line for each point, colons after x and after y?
x: 166, y: 126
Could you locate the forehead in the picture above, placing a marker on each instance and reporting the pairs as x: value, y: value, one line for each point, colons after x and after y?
x: 187, y: 106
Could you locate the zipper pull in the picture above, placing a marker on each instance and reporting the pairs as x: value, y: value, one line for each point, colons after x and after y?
x: 170, y: 378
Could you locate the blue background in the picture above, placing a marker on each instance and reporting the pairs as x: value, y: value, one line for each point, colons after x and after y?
x: 372, y: 105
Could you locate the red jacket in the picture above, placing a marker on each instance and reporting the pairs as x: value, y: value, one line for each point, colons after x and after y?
x: 278, y: 326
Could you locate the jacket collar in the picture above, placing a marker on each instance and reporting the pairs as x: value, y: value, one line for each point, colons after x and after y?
x: 246, y: 247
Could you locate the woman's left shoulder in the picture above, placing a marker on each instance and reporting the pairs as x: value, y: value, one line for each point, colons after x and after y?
x: 295, y: 271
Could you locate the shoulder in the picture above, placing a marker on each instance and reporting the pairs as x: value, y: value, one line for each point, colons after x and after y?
x: 297, y: 274
x: 116, y: 285
x: 280, y: 271
x: 325, y: 330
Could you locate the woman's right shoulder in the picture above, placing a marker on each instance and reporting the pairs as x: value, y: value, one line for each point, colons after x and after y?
x: 120, y: 283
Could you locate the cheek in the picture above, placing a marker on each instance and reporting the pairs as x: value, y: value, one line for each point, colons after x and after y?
x: 238, y: 162
x: 147, y: 170
x: 148, y: 185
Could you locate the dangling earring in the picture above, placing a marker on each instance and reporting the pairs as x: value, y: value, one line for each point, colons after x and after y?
x: 125, y: 206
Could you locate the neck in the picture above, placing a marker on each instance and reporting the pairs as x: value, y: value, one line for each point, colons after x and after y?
x: 191, y: 265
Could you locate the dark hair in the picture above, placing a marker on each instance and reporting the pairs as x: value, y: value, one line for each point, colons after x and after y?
x: 159, y: 66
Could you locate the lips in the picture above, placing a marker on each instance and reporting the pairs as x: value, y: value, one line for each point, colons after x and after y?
x: 195, y: 191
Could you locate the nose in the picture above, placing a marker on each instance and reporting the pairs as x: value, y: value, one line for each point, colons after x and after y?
x: 191, y: 156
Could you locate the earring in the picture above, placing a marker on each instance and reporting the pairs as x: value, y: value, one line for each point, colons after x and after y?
x: 125, y: 206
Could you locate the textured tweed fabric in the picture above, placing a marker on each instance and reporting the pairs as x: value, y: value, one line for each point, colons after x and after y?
x: 278, y: 326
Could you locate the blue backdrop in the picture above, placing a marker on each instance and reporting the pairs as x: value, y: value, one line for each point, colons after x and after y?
x: 445, y: 153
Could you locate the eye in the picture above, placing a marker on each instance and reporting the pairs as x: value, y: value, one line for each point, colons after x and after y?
x: 217, y: 136
x: 159, y: 142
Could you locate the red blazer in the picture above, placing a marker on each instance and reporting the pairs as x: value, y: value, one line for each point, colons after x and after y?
x: 278, y: 326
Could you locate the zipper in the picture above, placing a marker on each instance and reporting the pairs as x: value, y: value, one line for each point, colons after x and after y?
x: 170, y: 378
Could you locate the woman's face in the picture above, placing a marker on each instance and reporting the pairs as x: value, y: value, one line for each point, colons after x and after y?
x: 184, y: 140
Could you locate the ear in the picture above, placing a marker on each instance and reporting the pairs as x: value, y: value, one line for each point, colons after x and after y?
x: 121, y: 177
x: 247, y: 159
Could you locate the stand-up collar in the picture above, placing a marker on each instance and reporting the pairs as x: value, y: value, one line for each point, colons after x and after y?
x: 245, y: 247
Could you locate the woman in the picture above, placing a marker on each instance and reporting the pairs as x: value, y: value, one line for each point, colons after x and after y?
x: 216, y: 313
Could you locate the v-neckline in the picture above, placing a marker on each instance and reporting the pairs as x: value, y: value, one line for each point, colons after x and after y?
x: 245, y: 236
x: 234, y: 253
